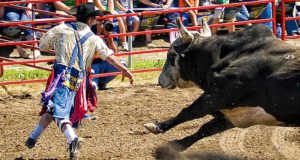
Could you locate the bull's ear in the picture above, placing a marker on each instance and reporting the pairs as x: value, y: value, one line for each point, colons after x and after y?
x: 205, y: 30
x: 187, y: 37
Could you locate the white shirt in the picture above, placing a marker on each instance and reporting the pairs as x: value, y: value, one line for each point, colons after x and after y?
x: 62, y: 40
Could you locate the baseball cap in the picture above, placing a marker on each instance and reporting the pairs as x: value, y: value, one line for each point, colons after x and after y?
x: 85, y: 10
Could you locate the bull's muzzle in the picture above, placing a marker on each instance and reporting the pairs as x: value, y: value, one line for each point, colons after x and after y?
x: 166, y: 81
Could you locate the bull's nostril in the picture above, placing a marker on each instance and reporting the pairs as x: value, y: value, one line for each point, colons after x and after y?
x: 159, y: 83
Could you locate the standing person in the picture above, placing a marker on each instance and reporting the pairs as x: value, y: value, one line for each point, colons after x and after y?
x: 68, y: 96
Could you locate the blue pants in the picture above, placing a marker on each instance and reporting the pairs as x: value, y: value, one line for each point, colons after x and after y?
x: 291, y: 27
x: 103, y: 67
x: 243, y: 14
x: 267, y: 13
x: 11, y: 14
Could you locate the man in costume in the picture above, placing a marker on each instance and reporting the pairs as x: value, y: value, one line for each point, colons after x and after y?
x: 69, y: 93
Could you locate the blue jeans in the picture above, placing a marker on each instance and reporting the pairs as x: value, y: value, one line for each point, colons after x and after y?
x: 103, y: 67
x: 267, y: 13
x: 243, y: 14
x: 11, y: 14
x: 291, y: 27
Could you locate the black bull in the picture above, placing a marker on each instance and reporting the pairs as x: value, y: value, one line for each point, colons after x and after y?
x: 238, y: 72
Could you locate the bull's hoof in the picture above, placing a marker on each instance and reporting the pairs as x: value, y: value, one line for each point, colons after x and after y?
x: 153, y: 127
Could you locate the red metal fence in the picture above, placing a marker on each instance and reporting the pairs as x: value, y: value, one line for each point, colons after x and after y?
x: 284, y: 19
x: 64, y: 18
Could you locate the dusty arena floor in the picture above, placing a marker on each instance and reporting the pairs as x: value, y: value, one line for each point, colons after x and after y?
x: 118, y: 132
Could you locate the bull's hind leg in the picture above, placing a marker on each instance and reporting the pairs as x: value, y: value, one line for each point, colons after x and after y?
x: 216, y: 125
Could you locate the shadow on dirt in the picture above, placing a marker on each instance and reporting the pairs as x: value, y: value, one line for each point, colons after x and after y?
x: 169, y: 152
x: 21, y: 158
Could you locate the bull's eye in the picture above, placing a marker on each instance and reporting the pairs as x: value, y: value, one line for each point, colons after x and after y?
x: 171, y: 58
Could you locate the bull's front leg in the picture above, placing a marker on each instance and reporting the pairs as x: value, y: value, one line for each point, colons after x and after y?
x: 205, y: 104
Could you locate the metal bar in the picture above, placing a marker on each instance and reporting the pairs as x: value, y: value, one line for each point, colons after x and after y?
x: 17, y: 43
x: 25, y: 64
x: 190, y: 28
x: 96, y: 75
x: 37, y: 21
x: 27, y: 1
x: 283, y: 37
x: 274, y: 17
x: 41, y: 11
x: 23, y: 82
x: 132, y: 71
x: 184, y: 9
x: 291, y: 18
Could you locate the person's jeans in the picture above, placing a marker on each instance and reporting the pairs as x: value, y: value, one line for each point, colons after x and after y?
x: 291, y: 27
x: 243, y: 14
x: 267, y: 13
x: 17, y: 15
x: 103, y: 67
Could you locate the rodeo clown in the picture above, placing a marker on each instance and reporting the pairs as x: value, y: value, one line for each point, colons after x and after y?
x: 69, y: 93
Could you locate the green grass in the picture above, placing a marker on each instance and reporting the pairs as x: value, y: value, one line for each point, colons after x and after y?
x: 29, y: 74
x: 144, y: 64
x: 23, y: 74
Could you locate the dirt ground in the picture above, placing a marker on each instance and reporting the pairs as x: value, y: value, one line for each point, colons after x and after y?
x: 118, y: 132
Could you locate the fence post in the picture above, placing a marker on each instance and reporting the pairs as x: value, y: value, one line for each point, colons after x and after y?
x: 274, y: 17
x: 283, y: 26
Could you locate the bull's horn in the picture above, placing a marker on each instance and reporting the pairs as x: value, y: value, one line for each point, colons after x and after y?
x: 205, y: 30
x: 186, y: 36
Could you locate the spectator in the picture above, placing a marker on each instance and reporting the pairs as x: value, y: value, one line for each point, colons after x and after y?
x: 52, y: 7
x: 192, y: 13
x: 13, y: 14
x: 149, y: 21
x: 261, y: 11
x: 122, y: 7
x: 229, y: 15
x: 171, y: 17
x: 292, y: 27
x: 99, y: 66
x: 75, y: 46
x: 108, y: 5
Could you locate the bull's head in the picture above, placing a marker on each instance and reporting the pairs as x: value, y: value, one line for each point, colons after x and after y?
x: 170, y: 77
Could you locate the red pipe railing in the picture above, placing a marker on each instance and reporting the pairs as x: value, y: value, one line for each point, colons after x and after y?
x: 27, y: 1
